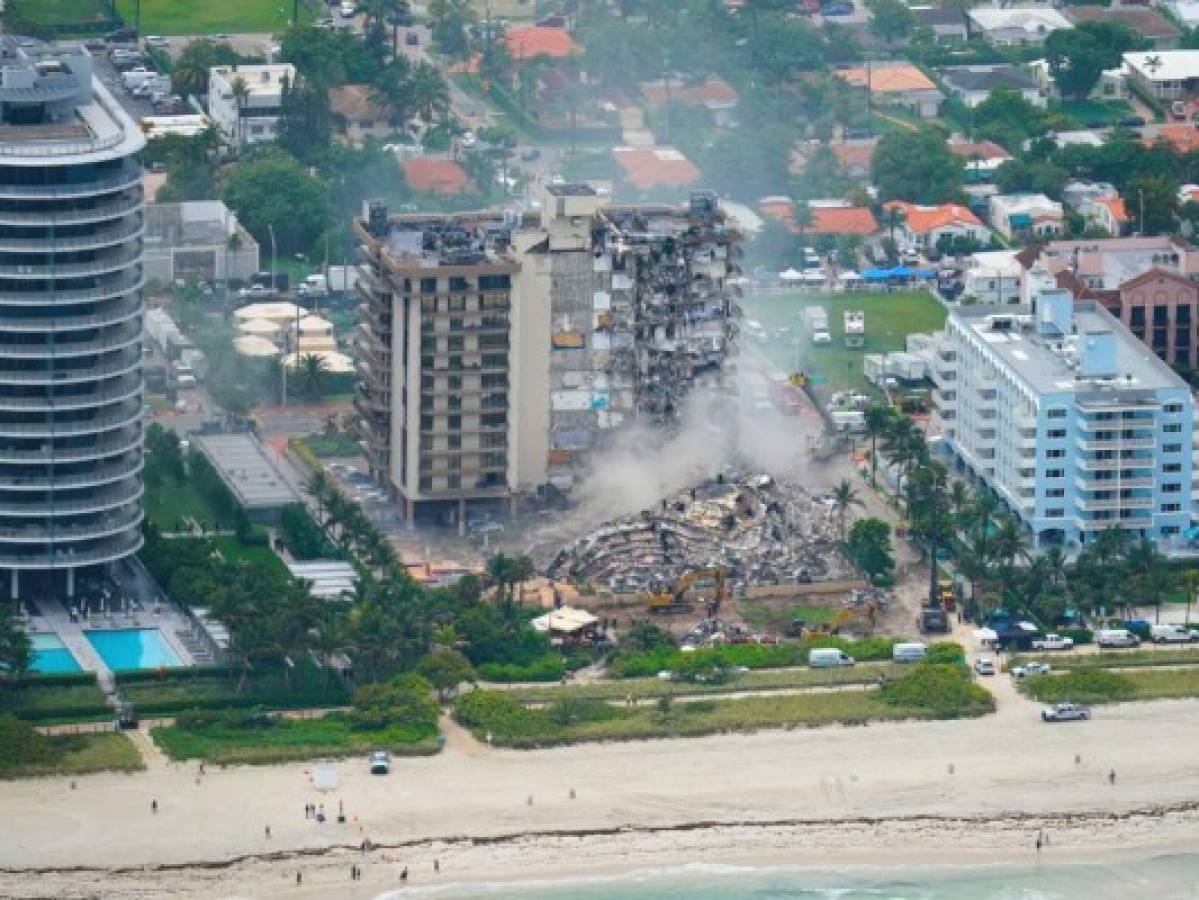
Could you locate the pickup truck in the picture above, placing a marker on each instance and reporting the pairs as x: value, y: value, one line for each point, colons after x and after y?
x: 1032, y: 668
x: 1053, y: 642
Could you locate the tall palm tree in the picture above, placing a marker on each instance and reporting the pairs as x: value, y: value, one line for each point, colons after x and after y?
x: 877, y: 420
x: 522, y: 570
x: 801, y: 215
x: 429, y: 92
x: 320, y: 487
x: 844, y: 496
x: 904, y: 446
x: 241, y: 94
x: 312, y: 369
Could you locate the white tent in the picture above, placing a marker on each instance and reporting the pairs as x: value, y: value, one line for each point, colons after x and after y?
x: 813, y: 276
x: 849, y: 276
x: 258, y: 326
x: 566, y: 620
x: 335, y: 363
x: 791, y: 275
x: 315, y: 325
x: 254, y: 345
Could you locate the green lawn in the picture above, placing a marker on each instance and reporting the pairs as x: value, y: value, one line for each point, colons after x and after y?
x: 1147, y: 657
x: 169, y: 504
x: 1107, y: 112
x: 1093, y: 685
x: 212, y: 16
x: 233, y: 549
x: 53, y: 12
x: 173, y: 694
x: 775, y: 617
x: 79, y: 754
x: 890, y: 318
x: 289, y: 739
x: 44, y: 702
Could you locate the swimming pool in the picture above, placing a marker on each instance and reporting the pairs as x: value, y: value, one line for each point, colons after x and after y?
x: 50, y: 655
x: 133, y: 648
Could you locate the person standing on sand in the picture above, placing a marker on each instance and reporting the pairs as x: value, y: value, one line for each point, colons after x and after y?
x: 154, y: 806
x: 299, y: 878
x: 436, y: 865
x: 1038, y: 845
x: 1111, y: 777
x: 268, y: 832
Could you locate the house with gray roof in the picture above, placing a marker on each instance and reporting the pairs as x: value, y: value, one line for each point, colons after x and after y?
x: 973, y: 84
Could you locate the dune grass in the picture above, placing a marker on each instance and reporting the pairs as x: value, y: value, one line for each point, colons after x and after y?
x: 78, y: 754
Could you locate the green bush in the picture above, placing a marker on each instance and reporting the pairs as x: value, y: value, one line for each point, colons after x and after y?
x: 1080, y: 636
x: 497, y: 714
x: 751, y: 656
x: 1080, y: 685
x: 20, y: 744
x: 302, y: 536
x: 943, y: 691
x: 865, y: 650
x: 405, y: 700
x: 946, y: 652
x: 550, y: 667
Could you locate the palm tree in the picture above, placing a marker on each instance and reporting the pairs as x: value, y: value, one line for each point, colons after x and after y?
x: 392, y: 90
x: 877, y: 421
x: 522, y: 570
x: 844, y: 496
x: 320, y: 487
x: 1055, y: 565
x: 429, y: 93
x: 241, y: 94
x: 801, y: 215
x: 904, y: 446
x: 499, y: 575
x: 311, y: 369
x: 189, y: 75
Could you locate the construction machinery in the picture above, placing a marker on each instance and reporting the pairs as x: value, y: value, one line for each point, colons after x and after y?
x: 673, y: 598
x: 947, y: 596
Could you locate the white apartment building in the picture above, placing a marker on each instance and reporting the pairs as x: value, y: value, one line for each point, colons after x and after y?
x: 1067, y: 417
x: 244, y: 101
x: 1026, y: 216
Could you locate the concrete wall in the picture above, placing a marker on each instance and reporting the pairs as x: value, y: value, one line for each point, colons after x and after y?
x: 528, y: 420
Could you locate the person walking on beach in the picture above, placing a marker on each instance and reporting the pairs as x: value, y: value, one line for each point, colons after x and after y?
x: 299, y: 878
x: 268, y: 832
x: 436, y: 865
x: 1038, y: 845
x: 404, y: 874
x: 154, y: 806
x: 1111, y: 777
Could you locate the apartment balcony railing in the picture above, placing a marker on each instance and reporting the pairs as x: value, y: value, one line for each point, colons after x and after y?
x: 128, y: 177
x: 109, y: 262
x: 126, y: 388
x: 59, y: 427
x: 123, y: 336
x: 100, y: 475
x: 98, y: 501
x: 126, y: 283
x: 126, y: 361
x: 100, y: 552
x: 103, y: 237
x: 98, y: 212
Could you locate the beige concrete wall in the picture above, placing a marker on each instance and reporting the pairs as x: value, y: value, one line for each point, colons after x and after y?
x: 529, y: 392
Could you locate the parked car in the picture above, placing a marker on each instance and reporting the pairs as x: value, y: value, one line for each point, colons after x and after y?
x: 838, y: 9
x: 157, y: 40
x: 1116, y: 637
x: 984, y: 665
x: 380, y: 762
x: 1172, y: 634
x: 1065, y: 712
x: 121, y: 36
x: 1053, y: 642
x: 1032, y: 668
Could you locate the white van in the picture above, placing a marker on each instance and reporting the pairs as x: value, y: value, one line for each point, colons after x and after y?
x: 1116, y: 637
x: 909, y: 653
x: 829, y: 658
x: 1172, y: 634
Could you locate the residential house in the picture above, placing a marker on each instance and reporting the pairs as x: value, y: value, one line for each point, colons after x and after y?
x: 1108, y: 213
x: 1148, y: 24
x: 829, y: 216
x: 1023, y: 26
x: 358, y: 116
x: 533, y: 41
x: 1112, y: 84
x: 1162, y: 309
x: 1185, y: 11
x: 982, y: 157
x: 1164, y: 74
x: 1076, y: 193
x: 993, y: 276
x: 1183, y: 137
x: 714, y: 95
x: 254, y: 115
x: 898, y: 83
x: 947, y: 25
x: 1026, y: 216
x: 649, y: 168
x: 924, y: 227
x: 973, y: 84
x: 1100, y: 265
x: 435, y: 175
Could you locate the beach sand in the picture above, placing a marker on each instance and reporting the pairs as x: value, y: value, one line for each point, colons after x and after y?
x: 957, y: 793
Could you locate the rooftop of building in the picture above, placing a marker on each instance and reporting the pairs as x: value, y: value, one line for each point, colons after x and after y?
x: 1181, y: 136
x: 1113, y: 261
x: 1035, y: 20
x: 267, y: 78
x: 1147, y: 23
x: 1049, y: 362
x: 987, y: 78
x: 461, y: 240
x: 67, y: 115
x: 539, y: 40
x: 244, y: 467
x: 937, y: 15
x: 356, y: 101
x: 1164, y: 65
x: 713, y: 93
x: 573, y: 189
x: 1018, y: 203
x: 652, y: 167
x: 433, y: 175
x: 921, y: 219
x: 888, y: 78
x: 985, y: 151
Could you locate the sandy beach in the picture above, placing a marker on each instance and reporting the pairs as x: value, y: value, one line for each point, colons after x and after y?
x: 896, y: 793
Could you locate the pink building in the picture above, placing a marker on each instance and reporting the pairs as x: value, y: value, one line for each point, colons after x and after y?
x: 1162, y: 309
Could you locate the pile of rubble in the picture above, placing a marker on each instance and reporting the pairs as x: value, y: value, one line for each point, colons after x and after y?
x: 758, y: 529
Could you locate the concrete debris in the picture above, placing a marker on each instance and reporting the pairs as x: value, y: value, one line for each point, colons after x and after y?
x: 759, y: 529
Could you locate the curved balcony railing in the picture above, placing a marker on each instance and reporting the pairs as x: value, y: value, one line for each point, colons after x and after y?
x: 95, y: 501
x: 114, y: 314
x: 122, y: 336
x: 103, y: 550
x: 100, y: 475
x: 82, y: 216
x: 127, y: 415
x: 127, y: 177
x: 126, y: 361
x: 124, y: 284
x: 125, y: 388
x: 110, y: 262
x: 103, y: 237
x: 119, y: 442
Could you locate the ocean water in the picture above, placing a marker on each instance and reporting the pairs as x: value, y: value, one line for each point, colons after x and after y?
x: 1160, y: 878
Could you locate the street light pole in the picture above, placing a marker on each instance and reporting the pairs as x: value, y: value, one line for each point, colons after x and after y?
x: 283, y: 362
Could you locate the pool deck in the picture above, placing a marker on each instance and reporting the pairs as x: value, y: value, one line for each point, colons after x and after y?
x: 55, y: 615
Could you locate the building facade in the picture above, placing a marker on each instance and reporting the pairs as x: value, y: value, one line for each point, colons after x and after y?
x: 497, y: 352
x: 1059, y: 410
x: 71, y: 225
x: 245, y: 101
x: 1161, y: 308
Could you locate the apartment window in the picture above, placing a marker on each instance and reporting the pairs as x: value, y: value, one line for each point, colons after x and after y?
x: 495, y: 360
x: 1055, y: 473
x: 1182, y: 355
x: 455, y: 423
x: 1171, y: 507
x: 1173, y: 408
x: 1170, y: 530
x: 426, y: 423
x: 428, y: 286
x: 455, y: 441
x: 494, y: 282
x: 454, y: 482
x: 1182, y: 337
x: 1159, y: 338
x: 1055, y: 433
x: 457, y: 304
x: 1171, y: 448
x: 1055, y: 513
x: 455, y: 382
x: 426, y: 382
x: 456, y: 344
x: 1172, y: 467
x: 1172, y: 428
x: 458, y: 286
x: 1161, y: 315
x: 1055, y: 454
x: 1055, y: 492
x: 426, y: 483
x: 1182, y: 315
x: 1138, y: 317
x: 1056, y: 413
x: 1172, y: 488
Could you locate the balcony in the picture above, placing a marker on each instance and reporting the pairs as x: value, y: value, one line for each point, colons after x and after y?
x: 127, y: 415
x: 1112, y: 484
x: 101, y: 475
x: 103, y: 237
x: 100, y: 212
x: 1137, y: 443
x: 113, y: 445
x: 125, y: 388
x: 129, y: 176
x: 126, y: 283
x: 122, y: 336
x: 126, y: 361
x: 114, y: 314
x: 121, y: 494
x: 109, y: 262
x: 103, y: 551
x: 1116, y: 503
x: 1104, y: 524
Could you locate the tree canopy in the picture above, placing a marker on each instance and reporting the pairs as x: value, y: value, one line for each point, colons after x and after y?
x: 918, y: 167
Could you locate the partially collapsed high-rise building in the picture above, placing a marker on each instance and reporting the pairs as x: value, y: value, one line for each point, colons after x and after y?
x: 498, y: 350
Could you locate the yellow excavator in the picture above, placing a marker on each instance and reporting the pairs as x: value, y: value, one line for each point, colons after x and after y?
x: 671, y: 598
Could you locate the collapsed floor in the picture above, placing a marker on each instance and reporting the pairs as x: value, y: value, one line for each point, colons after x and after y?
x: 758, y: 529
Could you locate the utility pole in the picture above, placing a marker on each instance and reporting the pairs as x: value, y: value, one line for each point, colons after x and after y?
x: 869, y: 100
x: 1141, y: 195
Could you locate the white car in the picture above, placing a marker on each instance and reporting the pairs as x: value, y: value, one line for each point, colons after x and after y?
x: 1065, y: 712
x: 984, y: 665
x: 380, y: 762
x: 1032, y: 668
x: 1053, y: 642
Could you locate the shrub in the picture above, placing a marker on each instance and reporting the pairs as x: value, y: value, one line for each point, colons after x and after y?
x: 866, y: 650
x: 304, y: 454
x: 751, y: 656
x: 302, y: 536
x: 946, y: 652
x: 497, y: 714
x: 1081, y: 685
x: 19, y: 743
x: 576, y: 710
x: 550, y: 667
x: 1080, y: 636
x: 406, y: 699
x: 943, y: 691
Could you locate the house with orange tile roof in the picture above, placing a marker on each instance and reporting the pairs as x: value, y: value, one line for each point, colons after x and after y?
x: 926, y: 226
x: 539, y: 40
x: 855, y: 156
x: 715, y: 95
x: 1182, y: 137
x: 898, y: 83
x: 830, y: 217
x: 649, y: 168
x: 435, y: 175
x: 1108, y: 213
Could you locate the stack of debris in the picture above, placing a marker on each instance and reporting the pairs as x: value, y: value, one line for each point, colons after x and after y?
x: 757, y: 529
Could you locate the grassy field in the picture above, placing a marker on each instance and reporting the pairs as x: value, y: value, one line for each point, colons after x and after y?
x: 1113, y: 658
x: 1106, y: 112
x: 652, y: 688
x: 56, y: 703
x: 54, y: 12
x: 890, y: 318
x: 290, y: 739
x: 168, y: 505
x: 336, y: 445
x: 233, y: 549
x: 80, y: 754
x: 173, y: 694
x: 774, y: 617
x: 1106, y: 686
x: 212, y: 16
